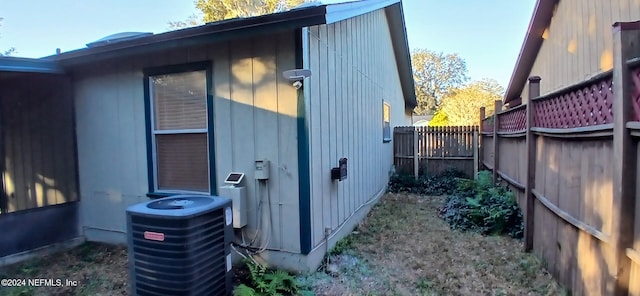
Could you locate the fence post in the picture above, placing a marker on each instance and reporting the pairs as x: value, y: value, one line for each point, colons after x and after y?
x: 416, y: 149
x: 625, y: 46
x: 427, y: 150
x: 483, y: 113
x: 475, y: 152
x: 496, y: 143
x: 534, y: 92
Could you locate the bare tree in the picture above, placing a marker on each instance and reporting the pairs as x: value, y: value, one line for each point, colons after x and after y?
x: 9, y: 51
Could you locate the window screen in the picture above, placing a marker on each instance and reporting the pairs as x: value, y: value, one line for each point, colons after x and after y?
x: 180, y: 101
x: 180, y: 131
x: 182, y: 162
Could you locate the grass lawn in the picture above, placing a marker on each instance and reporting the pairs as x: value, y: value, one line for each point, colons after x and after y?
x: 402, y: 248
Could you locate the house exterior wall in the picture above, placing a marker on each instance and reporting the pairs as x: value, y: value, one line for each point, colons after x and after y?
x: 354, y: 71
x: 578, y: 43
x: 255, y: 118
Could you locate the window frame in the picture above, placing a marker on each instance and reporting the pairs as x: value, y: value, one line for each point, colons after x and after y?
x: 152, y: 132
x: 386, y: 122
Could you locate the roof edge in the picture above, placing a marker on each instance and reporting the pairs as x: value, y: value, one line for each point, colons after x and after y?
x: 540, y: 20
x: 400, y: 43
x: 341, y: 11
x: 29, y: 65
x: 224, y: 29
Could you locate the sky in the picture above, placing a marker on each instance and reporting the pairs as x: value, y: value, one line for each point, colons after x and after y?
x: 487, y: 34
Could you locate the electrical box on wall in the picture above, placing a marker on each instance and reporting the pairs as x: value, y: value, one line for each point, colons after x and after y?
x: 262, y: 170
x: 340, y: 173
x: 238, y: 196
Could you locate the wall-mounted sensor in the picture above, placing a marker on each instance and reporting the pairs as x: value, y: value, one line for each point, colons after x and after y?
x: 234, y: 178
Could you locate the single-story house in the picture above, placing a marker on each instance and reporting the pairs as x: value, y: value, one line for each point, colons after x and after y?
x: 89, y: 132
x: 567, y: 42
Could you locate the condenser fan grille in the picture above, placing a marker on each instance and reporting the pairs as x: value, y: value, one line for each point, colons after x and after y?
x: 175, y: 256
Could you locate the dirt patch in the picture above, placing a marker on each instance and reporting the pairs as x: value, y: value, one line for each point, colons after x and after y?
x: 91, y: 269
x: 402, y: 248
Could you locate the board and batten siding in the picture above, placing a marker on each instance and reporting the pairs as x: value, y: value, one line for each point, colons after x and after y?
x: 255, y: 118
x: 38, y: 143
x: 578, y: 44
x: 353, y: 70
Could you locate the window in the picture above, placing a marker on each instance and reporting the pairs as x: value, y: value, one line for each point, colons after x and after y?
x: 386, y: 122
x: 179, y: 131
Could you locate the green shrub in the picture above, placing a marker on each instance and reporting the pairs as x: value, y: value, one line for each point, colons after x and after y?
x: 443, y: 183
x: 479, y: 205
x: 267, y: 282
x: 403, y: 183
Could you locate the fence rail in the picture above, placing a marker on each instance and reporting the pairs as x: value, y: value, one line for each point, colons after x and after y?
x: 430, y: 150
x: 574, y: 167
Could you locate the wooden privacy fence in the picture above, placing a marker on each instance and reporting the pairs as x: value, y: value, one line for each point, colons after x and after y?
x: 431, y: 150
x: 574, y: 167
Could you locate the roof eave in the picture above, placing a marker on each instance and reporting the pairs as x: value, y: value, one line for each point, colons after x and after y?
x: 540, y: 20
x: 224, y: 30
x: 342, y: 11
x: 395, y: 18
x: 230, y: 29
x: 28, y: 65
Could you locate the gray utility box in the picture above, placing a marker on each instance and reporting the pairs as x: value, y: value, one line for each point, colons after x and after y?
x: 238, y: 196
x: 180, y: 245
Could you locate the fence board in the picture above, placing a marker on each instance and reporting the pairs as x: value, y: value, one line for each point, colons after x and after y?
x: 550, y: 190
x: 569, y: 197
x: 634, y: 289
x: 580, y: 221
x: 574, y: 213
x: 486, y: 150
x: 510, y: 157
x: 439, y: 148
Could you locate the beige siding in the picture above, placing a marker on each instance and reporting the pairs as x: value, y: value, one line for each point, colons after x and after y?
x: 578, y: 43
x: 37, y: 142
x: 255, y: 113
x: 354, y: 70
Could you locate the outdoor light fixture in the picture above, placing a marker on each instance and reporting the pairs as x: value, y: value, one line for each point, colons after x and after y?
x: 296, y: 75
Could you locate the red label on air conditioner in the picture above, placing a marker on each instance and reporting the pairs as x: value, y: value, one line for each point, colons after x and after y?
x: 156, y: 236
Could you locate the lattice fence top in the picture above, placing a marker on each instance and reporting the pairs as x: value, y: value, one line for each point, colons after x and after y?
x: 588, y: 105
x: 487, y: 125
x: 635, y: 94
x: 513, y: 120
